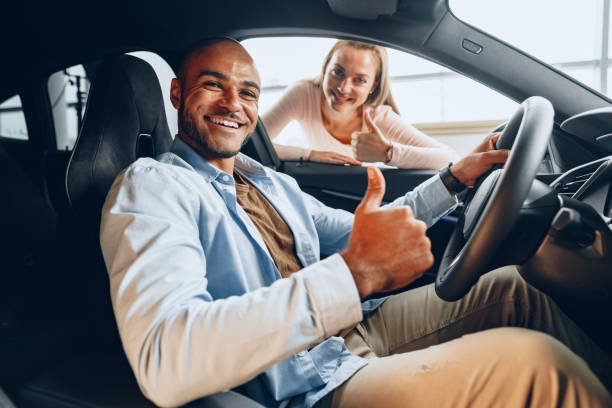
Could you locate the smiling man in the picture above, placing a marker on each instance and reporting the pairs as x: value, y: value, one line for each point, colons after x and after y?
x: 216, y: 280
x: 216, y: 97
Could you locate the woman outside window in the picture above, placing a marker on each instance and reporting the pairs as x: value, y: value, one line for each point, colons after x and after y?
x: 348, y: 115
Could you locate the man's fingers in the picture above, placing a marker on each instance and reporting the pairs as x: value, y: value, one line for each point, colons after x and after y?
x: 488, y: 143
x: 491, y: 142
x: 494, y: 138
x: 375, y: 192
x: 497, y: 156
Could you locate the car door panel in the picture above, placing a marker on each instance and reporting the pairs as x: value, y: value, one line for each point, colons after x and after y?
x: 343, y: 186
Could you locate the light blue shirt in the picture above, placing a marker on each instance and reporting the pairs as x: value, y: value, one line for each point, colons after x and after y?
x: 199, y: 302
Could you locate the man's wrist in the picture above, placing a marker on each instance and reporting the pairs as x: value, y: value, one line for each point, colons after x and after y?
x: 452, y: 183
x: 363, y: 285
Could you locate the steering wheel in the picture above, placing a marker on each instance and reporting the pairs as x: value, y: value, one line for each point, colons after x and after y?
x: 496, y: 201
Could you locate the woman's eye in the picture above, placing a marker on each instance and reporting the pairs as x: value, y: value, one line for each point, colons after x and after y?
x: 337, y: 72
x: 360, y: 81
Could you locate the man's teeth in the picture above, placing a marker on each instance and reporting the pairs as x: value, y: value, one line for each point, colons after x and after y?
x: 225, y: 123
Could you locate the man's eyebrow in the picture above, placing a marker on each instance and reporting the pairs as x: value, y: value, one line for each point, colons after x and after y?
x: 251, y: 84
x: 216, y: 74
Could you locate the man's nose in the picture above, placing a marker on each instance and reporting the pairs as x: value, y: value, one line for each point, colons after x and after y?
x: 230, y: 100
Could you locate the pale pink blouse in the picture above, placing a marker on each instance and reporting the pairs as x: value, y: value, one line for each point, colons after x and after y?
x: 302, y: 102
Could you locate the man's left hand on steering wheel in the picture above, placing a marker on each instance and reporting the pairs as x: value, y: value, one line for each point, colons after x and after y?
x: 485, y: 155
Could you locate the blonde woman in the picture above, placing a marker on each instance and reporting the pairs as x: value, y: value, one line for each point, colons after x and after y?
x: 349, y: 116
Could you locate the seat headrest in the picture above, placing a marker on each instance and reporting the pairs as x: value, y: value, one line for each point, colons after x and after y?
x: 124, y: 120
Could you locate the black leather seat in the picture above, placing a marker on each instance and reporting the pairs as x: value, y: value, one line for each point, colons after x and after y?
x: 124, y: 120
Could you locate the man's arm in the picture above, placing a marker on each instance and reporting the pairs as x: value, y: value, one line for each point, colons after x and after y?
x: 428, y: 202
x: 387, y: 247
x: 181, y: 343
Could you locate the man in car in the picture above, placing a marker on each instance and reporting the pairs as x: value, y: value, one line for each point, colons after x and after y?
x: 216, y: 280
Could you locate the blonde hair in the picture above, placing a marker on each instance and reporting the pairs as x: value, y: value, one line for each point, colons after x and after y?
x: 381, y: 94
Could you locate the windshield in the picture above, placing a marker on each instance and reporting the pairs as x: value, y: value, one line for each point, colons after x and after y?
x: 573, y: 36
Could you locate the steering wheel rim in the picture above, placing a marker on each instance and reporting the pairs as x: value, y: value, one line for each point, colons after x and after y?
x: 501, y: 196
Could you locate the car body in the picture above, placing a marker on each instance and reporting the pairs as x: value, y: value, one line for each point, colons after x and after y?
x: 51, y: 339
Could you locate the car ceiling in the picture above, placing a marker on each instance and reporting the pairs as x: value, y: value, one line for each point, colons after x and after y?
x: 49, y: 36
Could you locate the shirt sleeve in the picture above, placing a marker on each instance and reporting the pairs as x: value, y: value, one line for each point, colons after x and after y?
x: 429, y: 202
x: 291, y: 106
x: 412, y: 149
x: 182, y: 343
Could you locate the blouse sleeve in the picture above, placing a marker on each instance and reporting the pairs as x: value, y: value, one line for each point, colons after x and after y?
x: 412, y: 149
x: 291, y: 106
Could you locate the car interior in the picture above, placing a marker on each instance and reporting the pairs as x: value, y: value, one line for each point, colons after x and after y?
x: 59, y: 345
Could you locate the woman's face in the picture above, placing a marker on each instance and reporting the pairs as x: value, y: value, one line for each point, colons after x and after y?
x: 349, y: 78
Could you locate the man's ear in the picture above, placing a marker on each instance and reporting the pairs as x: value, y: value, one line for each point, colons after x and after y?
x: 175, y: 93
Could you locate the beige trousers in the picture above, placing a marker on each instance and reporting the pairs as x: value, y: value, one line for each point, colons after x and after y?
x: 476, y: 352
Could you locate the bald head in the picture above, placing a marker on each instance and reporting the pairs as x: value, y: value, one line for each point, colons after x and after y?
x: 220, y: 44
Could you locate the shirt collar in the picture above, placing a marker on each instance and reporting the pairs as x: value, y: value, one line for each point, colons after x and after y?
x: 247, y: 166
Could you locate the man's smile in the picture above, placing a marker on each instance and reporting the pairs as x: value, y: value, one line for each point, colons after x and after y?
x: 221, y: 121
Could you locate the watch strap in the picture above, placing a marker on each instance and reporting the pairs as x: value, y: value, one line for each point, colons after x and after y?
x: 452, y: 183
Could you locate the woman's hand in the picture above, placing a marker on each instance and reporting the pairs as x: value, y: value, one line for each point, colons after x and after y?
x: 371, y: 146
x: 332, y: 157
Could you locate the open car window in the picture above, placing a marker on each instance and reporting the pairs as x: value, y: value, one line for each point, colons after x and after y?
x: 451, y: 108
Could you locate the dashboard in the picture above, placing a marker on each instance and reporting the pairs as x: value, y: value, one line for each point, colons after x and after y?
x: 591, y: 184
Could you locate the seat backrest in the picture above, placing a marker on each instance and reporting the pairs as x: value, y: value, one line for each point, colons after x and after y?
x: 124, y: 120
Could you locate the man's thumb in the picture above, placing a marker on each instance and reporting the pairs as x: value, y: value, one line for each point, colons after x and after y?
x: 376, y: 190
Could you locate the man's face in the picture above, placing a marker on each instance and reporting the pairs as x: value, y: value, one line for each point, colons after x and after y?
x: 217, y: 99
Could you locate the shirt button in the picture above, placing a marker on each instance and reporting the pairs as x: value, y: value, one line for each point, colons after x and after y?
x: 226, y: 178
x: 301, y: 353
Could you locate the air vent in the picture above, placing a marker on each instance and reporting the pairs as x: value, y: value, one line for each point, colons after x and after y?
x: 569, y: 183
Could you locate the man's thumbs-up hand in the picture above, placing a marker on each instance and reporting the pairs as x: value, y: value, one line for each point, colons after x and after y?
x: 371, y: 146
x: 388, y: 247
x: 375, y: 192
